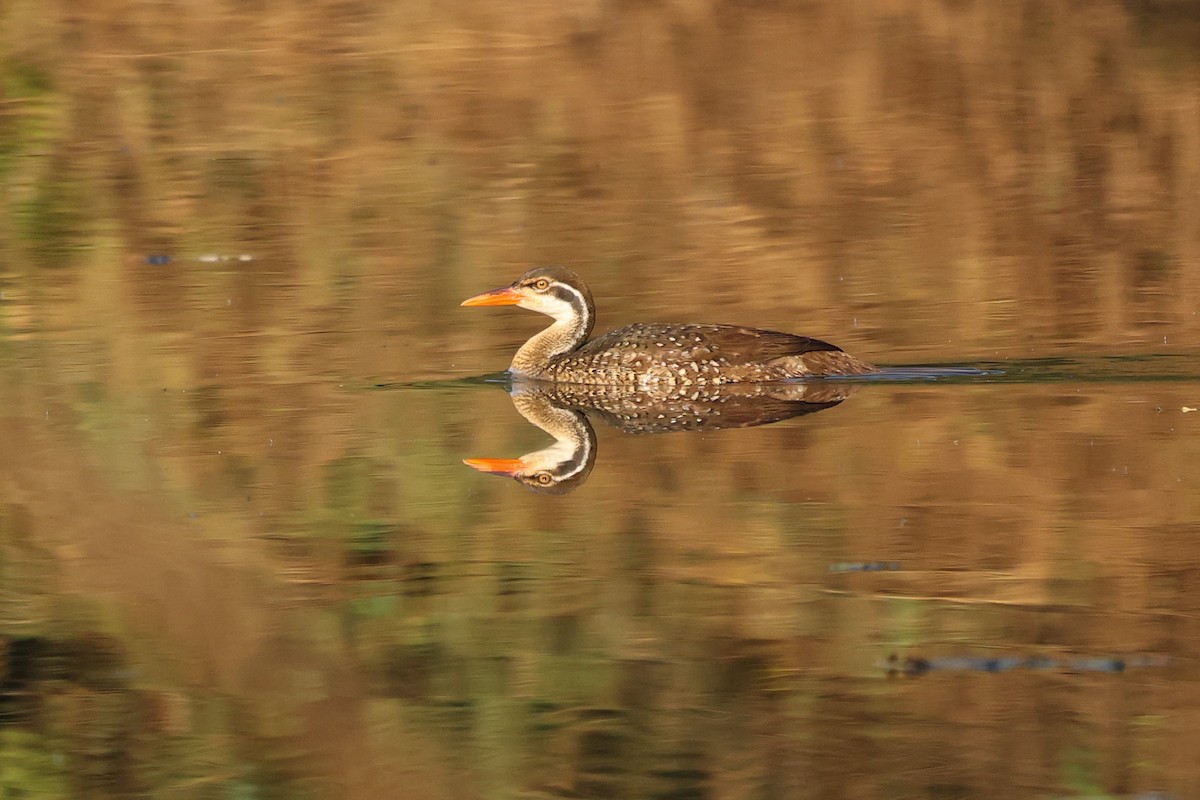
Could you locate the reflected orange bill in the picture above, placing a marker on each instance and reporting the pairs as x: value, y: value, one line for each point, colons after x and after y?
x: 496, y: 466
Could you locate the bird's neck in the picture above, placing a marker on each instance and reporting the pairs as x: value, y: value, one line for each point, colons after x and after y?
x: 564, y: 336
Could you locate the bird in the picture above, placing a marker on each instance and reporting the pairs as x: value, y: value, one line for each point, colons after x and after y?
x: 559, y: 410
x: 666, y: 356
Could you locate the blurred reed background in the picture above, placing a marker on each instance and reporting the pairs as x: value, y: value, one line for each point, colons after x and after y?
x: 925, y: 179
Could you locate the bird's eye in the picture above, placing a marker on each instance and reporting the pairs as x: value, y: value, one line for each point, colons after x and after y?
x: 545, y: 478
x: 541, y: 284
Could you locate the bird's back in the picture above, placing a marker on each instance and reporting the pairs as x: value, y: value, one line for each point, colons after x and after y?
x: 704, y: 354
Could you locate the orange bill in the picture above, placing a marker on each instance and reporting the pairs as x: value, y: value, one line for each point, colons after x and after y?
x: 496, y: 466
x: 507, y: 296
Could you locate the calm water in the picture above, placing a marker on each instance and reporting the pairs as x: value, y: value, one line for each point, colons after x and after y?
x: 241, y: 557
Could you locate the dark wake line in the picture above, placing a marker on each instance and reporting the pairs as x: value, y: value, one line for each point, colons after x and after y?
x: 1086, y: 369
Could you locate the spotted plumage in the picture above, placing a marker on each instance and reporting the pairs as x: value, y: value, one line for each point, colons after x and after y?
x: 653, y: 355
x: 694, y: 408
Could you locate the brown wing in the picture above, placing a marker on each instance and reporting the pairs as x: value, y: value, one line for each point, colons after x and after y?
x: 755, y: 344
x: 733, y: 343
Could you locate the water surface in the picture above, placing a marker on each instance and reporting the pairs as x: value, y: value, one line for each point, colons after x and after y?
x: 240, y: 555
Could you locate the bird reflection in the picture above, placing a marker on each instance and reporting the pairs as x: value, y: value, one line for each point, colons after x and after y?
x: 561, y: 410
